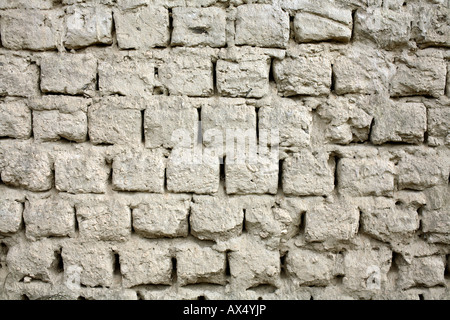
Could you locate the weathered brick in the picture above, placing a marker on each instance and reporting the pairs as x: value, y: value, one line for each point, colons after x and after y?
x: 177, y: 114
x: 73, y: 74
x: 255, y: 175
x: 87, y: 26
x: 15, y: 119
x: 199, y: 26
x: 187, y: 173
x: 419, y: 75
x: 188, y: 72
x: 126, y: 76
x: 81, y: 173
x: 10, y: 216
x: 303, y: 75
x: 115, y: 121
x: 162, y: 216
x: 104, y: 220
x: 32, y: 259
x: 142, y: 27
x: 245, y: 76
x: 309, y: 267
x: 331, y: 222
x: 30, y: 29
x: 426, y: 271
x: 290, y: 118
x: 54, y: 125
x: 438, y: 128
x: 430, y: 24
x: 139, y: 171
x: 200, y: 264
x: 215, y: 218
x: 366, y: 268
x: 308, y: 173
x: 26, y: 166
x: 421, y: 170
x: 320, y: 23
x: 145, y: 262
x: 362, y: 70
x: 387, y: 28
x: 345, y: 120
x: 92, y: 263
x: 262, y: 25
x: 400, y: 122
x: 253, y: 264
x: 19, y: 77
x: 360, y: 177
x: 48, y: 218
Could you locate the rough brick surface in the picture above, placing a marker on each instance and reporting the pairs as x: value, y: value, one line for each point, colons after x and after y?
x: 224, y: 150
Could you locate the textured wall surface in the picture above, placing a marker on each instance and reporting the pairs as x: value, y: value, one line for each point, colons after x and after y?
x: 224, y: 149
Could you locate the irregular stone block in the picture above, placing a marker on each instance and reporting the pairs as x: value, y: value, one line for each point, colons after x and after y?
x: 387, y: 28
x: 423, y: 271
x: 142, y: 28
x: 285, y: 121
x: 310, y: 268
x: 162, y: 216
x: 215, y: 218
x: 32, y: 259
x: 421, y: 75
x: 104, y: 221
x: 436, y: 225
x: 10, y: 216
x: 400, y: 122
x: 139, y: 171
x: 126, y: 76
x: 26, y: 166
x: 144, y: 262
x: 188, y: 72
x: 246, y: 76
x: 73, y: 74
x: 199, y: 264
x: 15, y: 120
x: 48, y: 218
x: 303, y: 75
x: 361, y: 177
x: 362, y: 70
x: 261, y: 25
x: 87, y: 26
x: 90, y: 263
x: 308, y: 173
x: 253, y: 264
x: 19, y: 77
x: 54, y: 125
x: 438, y: 126
x: 255, y: 175
x: 366, y: 268
x: 30, y: 29
x: 169, y: 119
x: 114, y: 121
x: 345, y: 120
x: 199, y: 26
x: 331, y: 222
x: 321, y: 23
x: 81, y: 173
x: 430, y: 24
x: 422, y: 170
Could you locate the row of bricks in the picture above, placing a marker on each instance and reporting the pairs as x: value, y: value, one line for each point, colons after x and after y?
x: 144, y: 27
x: 304, y: 173
x: 219, y: 217
x: 243, y: 72
x: 155, y: 122
x: 148, y: 262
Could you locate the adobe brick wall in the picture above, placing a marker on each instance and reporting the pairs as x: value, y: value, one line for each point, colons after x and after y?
x: 226, y: 149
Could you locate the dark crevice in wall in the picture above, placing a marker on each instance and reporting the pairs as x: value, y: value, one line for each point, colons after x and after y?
x: 244, y: 230
x: 76, y: 225
x: 58, y: 263
x: 222, y: 172
x: 283, y: 271
x: 352, y: 37
x: 257, y: 125
x: 227, y: 263
x: 333, y: 79
x: 199, y: 126
x: 143, y: 126
x: 169, y: 44
x: 214, y: 76
x: 174, y: 270
x: 117, y: 272
x: 280, y: 176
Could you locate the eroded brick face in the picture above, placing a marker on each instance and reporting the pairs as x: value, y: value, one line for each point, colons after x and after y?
x: 189, y: 149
